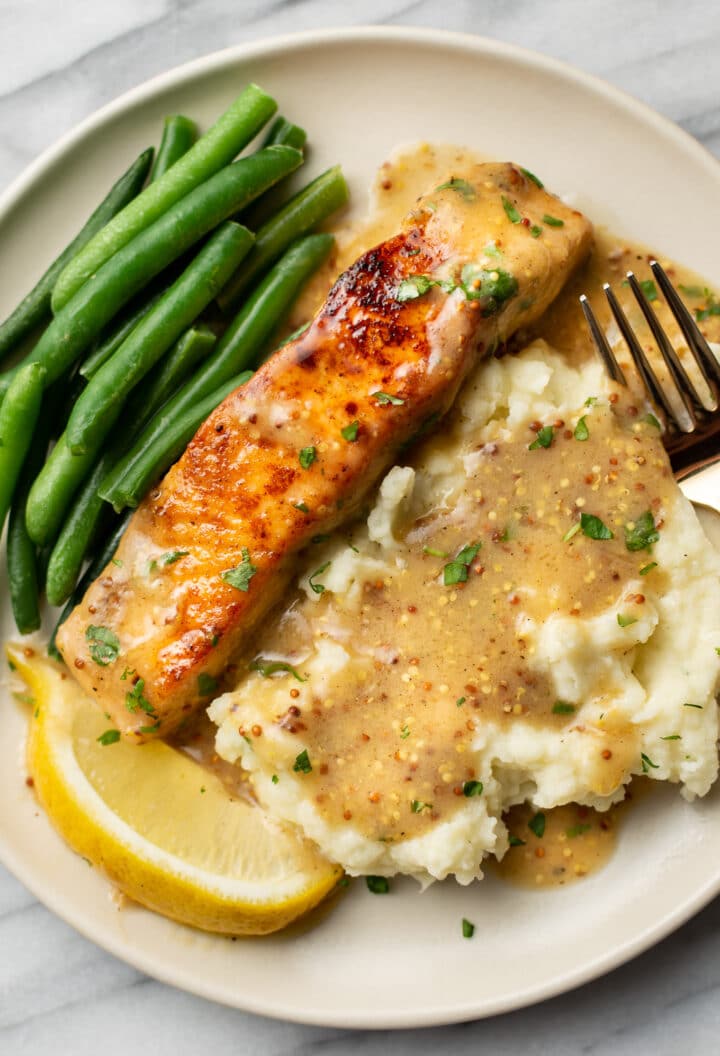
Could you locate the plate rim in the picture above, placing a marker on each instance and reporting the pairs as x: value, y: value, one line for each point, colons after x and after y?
x: 24, y: 184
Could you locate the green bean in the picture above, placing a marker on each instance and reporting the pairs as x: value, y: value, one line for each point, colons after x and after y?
x: 239, y: 347
x: 77, y: 533
x: 19, y: 413
x: 102, y: 352
x: 34, y: 309
x: 53, y: 489
x: 301, y: 214
x: 284, y: 131
x: 84, y: 519
x: 99, y: 406
x: 168, y: 444
x: 79, y: 322
x: 212, y: 152
x: 194, y: 346
x: 179, y: 134
x: 97, y: 565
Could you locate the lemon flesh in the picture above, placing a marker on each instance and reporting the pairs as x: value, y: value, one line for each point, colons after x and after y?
x: 164, y: 830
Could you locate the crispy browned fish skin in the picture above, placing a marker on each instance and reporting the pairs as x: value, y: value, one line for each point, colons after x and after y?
x: 240, y: 483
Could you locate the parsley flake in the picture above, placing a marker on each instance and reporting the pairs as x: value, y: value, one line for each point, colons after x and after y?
x: 577, y: 830
x: 647, y: 763
x: 537, y: 824
x: 384, y: 398
x: 274, y: 779
x: 553, y: 221
x: 625, y: 621
x: 417, y: 806
x: 456, y: 571
x: 581, y: 430
x: 563, y: 707
x: 377, y: 885
x: 643, y: 532
x: 491, y: 286
x: 302, y: 506
x: 531, y: 176
x: 414, y: 286
x: 462, y: 187
x: 350, y: 432
x: 318, y: 588
x: 206, y: 684
x: 544, y: 438
x: 593, y: 527
x: 535, y: 231
x: 302, y: 764
x: 698, y: 706
x: 468, y: 929
x: 572, y: 530
x: 472, y: 788
x: 103, y: 644
x: 173, y: 556
x: 650, y: 419
x: 671, y: 737
x: 109, y: 737
x: 136, y: 699
x: 515, y: 841
x: 307, y: 456
x: 268, y: 668
x: 510, y: 211
x: 240, y: 576
x: 405, y: 732
x: 459, y: 702
x: 648, y: 568
x: 432, y: 551
x: 649, y: 288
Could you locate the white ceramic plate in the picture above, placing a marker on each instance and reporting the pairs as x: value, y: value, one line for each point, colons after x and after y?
x: 398, y: 960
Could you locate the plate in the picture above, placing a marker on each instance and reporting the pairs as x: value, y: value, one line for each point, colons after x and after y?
x: 399, y: 960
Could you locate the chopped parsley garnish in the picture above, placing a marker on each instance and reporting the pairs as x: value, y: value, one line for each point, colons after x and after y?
x: 491, y: 250
x: 461, y: 186
x: 625, y: 621
x: 319, y: 538
x: 302, y: 506
x: 577, y: 830
x: 459, y: 702
x: 472, y: 788
x: 456, y: 571
x: 563, y: 707
x: 650, y: 419
x: 647, y: 763
x: 377, y: 885
x: 383, y: 398
x: 307, y: 456
x: 553, y: 221
x: 535, y: 231
x: 103, y: 644
x: 240, y: 576
x: 671, y: 737
x: 510, y: 211
x: 274, y: 779
x: 434, y: 552
x: 537, y: 824
x: 172, y: 556
x: 109, y: 737
x: 649, y: 288
x: 206, y: 685
x: 405, y: 732
x: 531, y: 176
x: 648, y: 568
x: 268, y: 668
x: 581, y: 430
x: 127, y: 673
x: 318, y: 588
x: 572, y: 530
x: 544, y: 438
x: 302, y: 764
x: 414, y: 286
x: 492, y: 287
x: 712, y: 307
x: 150, y: 729
x: 698, y: 706
x: 214, y: 640
x: 136, y: 699
x: 417, y: 806
x: 593, y: 527
x: 350, y: 432
x: 643, y: 532
x: 515, y: 841
x: 468, y: 929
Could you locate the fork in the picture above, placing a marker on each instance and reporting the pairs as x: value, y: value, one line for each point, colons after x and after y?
x: 687, y: 436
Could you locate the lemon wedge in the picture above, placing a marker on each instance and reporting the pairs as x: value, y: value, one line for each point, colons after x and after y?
x: 165, y: 831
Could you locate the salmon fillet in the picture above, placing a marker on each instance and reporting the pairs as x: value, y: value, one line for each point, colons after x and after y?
x: 295, y: 450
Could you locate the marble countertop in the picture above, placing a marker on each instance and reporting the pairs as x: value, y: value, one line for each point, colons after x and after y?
x: 58, y: 992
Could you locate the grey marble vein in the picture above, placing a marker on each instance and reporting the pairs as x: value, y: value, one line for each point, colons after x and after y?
x: 58, y: 62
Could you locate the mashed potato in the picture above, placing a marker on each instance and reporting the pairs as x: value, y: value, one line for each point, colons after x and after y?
x: 640, y: 673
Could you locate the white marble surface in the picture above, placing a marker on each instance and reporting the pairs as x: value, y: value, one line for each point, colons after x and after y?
x: 58, y: 62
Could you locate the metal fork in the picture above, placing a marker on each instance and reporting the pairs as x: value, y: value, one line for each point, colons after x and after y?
x: 686, y: 435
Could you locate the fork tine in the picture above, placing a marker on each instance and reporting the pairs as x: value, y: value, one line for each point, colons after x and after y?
x: 643, y: 367
x: 601, y: 343
x: 686, y: 390
x: 702, y: 353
